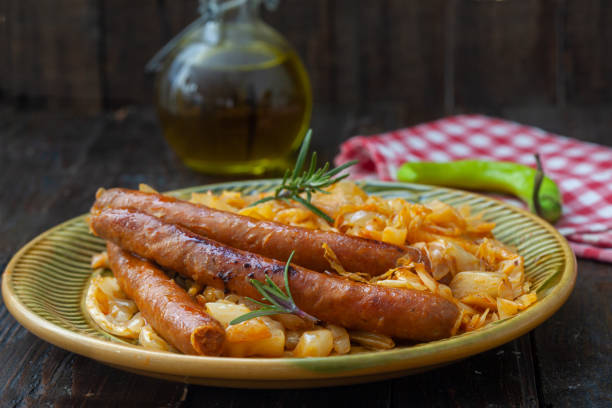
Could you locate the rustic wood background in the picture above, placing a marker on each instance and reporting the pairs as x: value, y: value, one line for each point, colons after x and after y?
x: 433, y: 56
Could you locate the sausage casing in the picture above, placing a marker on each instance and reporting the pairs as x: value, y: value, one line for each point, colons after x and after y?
x: 166, y: 306
x: 400, y: 313
x: 267, y: 238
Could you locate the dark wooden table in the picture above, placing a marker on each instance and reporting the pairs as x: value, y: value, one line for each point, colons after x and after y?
x: 53, y: 163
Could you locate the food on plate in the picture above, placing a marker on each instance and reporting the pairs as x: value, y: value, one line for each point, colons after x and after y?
x: 268, y: 238
x: 111, y: 309
x: 539, y: 192
x: 167, y: 307
x: 397, y: 312
x: 464, y: 280
x: 460, y: 279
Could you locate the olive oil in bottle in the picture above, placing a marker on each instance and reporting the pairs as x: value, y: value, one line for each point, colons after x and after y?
x: 234, y: 97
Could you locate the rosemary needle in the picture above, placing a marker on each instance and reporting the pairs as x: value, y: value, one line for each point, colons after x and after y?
x: 280, y: 302
x: 296, y: 183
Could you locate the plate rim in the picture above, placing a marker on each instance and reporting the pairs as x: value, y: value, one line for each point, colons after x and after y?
x: 293, y: 369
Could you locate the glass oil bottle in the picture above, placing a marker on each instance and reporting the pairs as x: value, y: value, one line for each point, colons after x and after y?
x: 232, y: 95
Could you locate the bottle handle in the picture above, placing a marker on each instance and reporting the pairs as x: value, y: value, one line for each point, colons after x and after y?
x: 209, y: 10
x: 155, y: 63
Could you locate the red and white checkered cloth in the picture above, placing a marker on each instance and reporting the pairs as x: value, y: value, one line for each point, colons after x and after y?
x: 583, y: 171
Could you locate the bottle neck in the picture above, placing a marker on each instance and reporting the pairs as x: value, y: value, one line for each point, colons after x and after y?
x: 229, y: 11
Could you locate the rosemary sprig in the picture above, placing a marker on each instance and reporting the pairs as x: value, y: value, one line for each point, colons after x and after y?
x: 279, y: 302
x: 310, y: 181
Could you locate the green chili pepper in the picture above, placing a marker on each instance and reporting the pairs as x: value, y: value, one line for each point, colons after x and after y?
x: 532, y: 186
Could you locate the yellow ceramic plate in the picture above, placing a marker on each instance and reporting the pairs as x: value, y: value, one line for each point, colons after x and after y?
x: 43, y: 288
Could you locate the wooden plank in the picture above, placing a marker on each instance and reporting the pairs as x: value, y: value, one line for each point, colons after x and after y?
x: 126, y: 389
x: 5, y: 49
x: 9, y: 81
x: 45, y: 375
x: 176, y: 15
x: 500, y: 377
x: 133, y: 32
x: 53, y: 53
x: 372, y: 51
x: 22, y: 79
x: 346, y: 64
x: 70, y: 77
x: 403, y: 52
x: 574, y: 347
x: 505, y: 53
x: 588, y: 55
x: 390, y: 51
x: 132, y: 35
x: 365, y: 395
x: 307, y: 26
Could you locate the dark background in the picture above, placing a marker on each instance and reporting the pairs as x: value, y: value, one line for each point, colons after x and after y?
x: 429, y: 57
x: 76, y: 114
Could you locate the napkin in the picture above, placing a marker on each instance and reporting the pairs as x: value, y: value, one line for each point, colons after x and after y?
x: 583, y: 171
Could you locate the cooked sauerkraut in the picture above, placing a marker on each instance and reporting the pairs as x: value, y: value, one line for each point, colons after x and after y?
x: 484, y: 277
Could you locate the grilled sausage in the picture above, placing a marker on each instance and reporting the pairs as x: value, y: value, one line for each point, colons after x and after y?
x: 400, y: 313
x: 270, y: 239
x: 166, y: 306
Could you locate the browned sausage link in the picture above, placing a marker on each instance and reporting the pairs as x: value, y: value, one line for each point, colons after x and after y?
x: 270, y: 239
x: 166, y: 306
x: 401, y: 313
